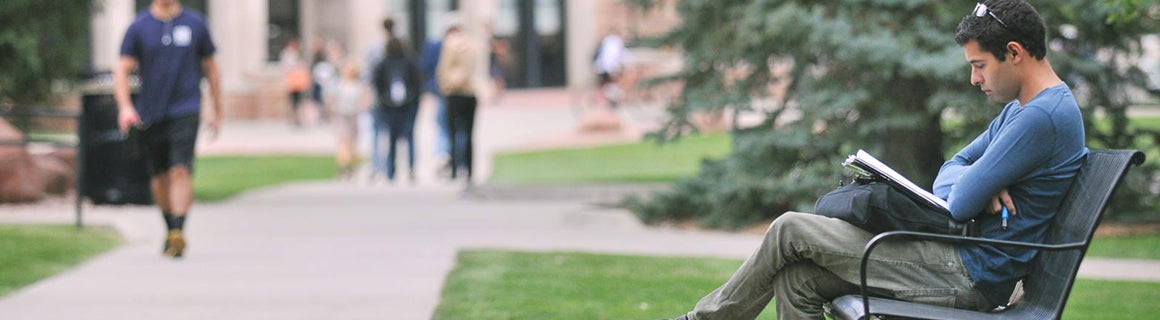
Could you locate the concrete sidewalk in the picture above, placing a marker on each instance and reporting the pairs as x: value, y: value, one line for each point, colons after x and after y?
x: 354, y: 249
x: 328, y: 250
x: 339, y: 250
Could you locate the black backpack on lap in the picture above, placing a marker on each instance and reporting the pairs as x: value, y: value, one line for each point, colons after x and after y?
x: 877, y: 206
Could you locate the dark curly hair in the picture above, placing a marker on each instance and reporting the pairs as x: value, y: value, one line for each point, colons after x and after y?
x: 1017, y: 21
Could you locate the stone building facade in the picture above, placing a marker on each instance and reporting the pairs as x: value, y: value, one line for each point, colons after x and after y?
x: 550, y: 41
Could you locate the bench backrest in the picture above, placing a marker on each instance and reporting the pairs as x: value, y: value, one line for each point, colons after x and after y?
x: 1052, y: 274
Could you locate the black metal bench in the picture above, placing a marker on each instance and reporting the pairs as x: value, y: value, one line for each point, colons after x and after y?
x: 1053, y: 272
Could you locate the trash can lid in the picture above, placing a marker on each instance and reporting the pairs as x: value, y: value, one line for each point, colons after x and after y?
x: 101, y: 82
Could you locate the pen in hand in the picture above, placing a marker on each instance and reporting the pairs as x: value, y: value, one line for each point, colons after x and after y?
x: 1005, y: 216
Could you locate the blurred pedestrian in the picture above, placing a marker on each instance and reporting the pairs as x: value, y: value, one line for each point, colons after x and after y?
x: 608, y: 64
x: 171, y: 49
x: 498, y: 59
x: 374, y: 57
x: 323, y: 73
x: 429, y: 61
x: 347, y: 95
x: 398, y: 83
x: 296, y: 77
x: 456, y: 72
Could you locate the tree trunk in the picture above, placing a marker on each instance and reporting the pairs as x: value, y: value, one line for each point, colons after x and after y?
x: 916, y: 152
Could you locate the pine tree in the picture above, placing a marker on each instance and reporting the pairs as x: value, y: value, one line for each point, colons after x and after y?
x: 831, y: 77
x: 42, y: 43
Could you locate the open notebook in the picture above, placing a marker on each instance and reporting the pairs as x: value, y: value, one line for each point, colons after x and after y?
x: 866, y: 165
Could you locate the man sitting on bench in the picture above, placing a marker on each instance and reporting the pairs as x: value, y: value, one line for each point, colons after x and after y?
x: 1023, y: 162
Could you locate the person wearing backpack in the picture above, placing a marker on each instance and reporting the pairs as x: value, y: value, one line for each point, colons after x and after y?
x: 398, y: 81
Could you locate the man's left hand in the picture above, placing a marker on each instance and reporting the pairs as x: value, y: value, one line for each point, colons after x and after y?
x: 215, y: 126
x: 1003, y: 199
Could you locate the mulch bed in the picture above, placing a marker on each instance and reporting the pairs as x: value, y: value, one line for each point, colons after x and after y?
x: 1124, y: 229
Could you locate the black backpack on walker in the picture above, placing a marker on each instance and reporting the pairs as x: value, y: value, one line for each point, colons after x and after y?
x: 397, y: 82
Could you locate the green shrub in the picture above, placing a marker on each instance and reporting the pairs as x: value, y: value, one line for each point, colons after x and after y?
x: 746, y: 187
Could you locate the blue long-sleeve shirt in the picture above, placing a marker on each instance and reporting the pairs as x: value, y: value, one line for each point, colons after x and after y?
x: 1033, y: 151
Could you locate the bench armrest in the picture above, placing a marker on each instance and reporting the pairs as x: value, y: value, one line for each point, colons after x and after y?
x: 897, y: 235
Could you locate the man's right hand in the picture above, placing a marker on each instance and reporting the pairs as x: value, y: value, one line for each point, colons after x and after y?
x: 127, y: 117
x: 126, y: 113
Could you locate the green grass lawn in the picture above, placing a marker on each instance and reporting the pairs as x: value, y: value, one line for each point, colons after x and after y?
x: 644, y: 161
x: 1101, y: 299
x: 1142, y: 246
x: 520, y: 285
x: 523, y: 285
x: 218, y: 178
x: 29, y: 253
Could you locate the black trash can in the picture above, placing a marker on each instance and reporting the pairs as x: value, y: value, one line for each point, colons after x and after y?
x: 112, y: 174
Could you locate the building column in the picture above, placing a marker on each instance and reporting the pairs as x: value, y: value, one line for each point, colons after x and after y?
x: 109, y: 23
x: 239, y: 31
x: 582, y: 40
x: 366, y: 27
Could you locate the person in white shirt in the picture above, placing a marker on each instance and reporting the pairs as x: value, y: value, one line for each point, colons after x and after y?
x: 608, y: 64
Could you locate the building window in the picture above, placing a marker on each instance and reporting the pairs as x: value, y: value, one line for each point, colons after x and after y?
x: 283, y: 23
x: 421, y: 21
x: 528, y: 42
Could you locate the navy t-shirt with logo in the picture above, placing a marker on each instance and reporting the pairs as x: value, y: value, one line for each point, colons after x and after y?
x: 169, y: 56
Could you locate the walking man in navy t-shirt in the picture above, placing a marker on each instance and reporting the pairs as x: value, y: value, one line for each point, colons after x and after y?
x: 171, y: 49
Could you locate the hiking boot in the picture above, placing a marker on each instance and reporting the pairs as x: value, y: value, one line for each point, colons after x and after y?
x: 174, y: 244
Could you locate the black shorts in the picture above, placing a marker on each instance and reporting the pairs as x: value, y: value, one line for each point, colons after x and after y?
x: 169, y: 143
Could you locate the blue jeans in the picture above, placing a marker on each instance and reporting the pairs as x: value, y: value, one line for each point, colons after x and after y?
x: 807, y: 260
x: 379, y: 125
x: 400, y: 125
x: 443, y: 141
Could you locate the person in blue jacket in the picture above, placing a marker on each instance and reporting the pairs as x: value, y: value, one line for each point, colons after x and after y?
x: 428, y: 62
x: 1023, y: 163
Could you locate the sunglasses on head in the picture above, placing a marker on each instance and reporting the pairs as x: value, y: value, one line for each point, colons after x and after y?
x: 982, y: 10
